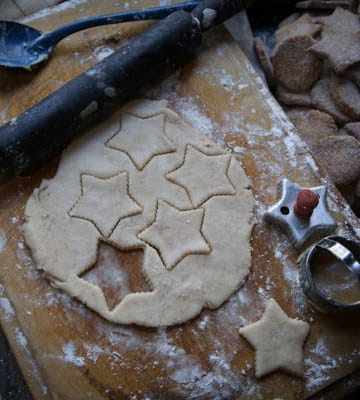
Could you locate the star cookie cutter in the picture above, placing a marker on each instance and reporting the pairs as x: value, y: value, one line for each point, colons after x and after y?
x: 343, y: 249
x: 301, y: 213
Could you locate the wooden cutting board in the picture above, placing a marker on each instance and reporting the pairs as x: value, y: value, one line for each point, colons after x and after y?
x: 66, y: 351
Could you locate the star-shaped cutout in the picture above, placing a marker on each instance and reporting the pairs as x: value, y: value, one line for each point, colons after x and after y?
x: 340, y: 40
x: 282, y: 214
x: 104, y: 202
x: 278, y: 341
x: 203, y: 176
x: 141, y: 138
x: 175, y: 234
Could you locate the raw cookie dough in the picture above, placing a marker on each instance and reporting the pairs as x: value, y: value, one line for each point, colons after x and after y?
x: 145, y: 179
x: 278, y: 341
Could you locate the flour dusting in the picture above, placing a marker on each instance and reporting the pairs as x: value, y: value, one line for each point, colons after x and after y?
x: 52, y: 10
x: 6, y: 307
x: 21, y: 339
x: 102, y: 52
x: 70, y: 355
x: 318, y: 368
x: 2, y: 240
x: 191, y: 112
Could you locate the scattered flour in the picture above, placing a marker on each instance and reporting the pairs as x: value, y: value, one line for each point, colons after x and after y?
x: 291, y: 275
x: 2, y: 240
x: 21, y: 339
x: 50, y: 10
x: 319, y: 365
x: 102, y: 52
x: 203, y: 323
x: 3, y: 114
x: 93, y: 352
x: 239, y: 150
x: 226, y: 80
x: 70, y: 356
x: 5, y: 305
x: 14, y: 220
x: 191, y: 112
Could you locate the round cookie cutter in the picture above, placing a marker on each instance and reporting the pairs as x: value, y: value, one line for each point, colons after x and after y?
x: 345, y: 250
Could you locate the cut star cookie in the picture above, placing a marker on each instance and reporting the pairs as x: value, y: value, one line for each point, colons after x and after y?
x: 303, y: 26
x: 191, y: 257
x: 278, y: 341
x: 104, y: 202
x: 176, y: 234
x: 294, y: 66
x: 203, y: 176
x: 340, y: 40
x: 133, y: 138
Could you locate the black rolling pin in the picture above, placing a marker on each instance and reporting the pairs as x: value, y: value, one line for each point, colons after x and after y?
x: 44, y: 130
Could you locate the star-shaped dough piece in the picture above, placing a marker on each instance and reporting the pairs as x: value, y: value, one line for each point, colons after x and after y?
x: 176, y: 234
x: 104, y: 202
x: 340, y: 40
x: 278, y: 341
x: 141, y: 138
x: 203, y: 176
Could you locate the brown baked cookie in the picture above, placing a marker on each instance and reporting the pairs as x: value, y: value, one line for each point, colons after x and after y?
x: 294, y: 66
x: 327, y: 4
x: 342, y: 132
x: 340, y: 40
x: 323, y: 101
x: 354, y: 75
x: 289, y: 20
x: 303, y: 26
x: 349, y: 194
x: 340, y: 157
x: 340, y: 21
x: 346, y: 96
x: 293, y: 99
x: 313, y: 125
x: 264, y: 60
x: 353, y: 129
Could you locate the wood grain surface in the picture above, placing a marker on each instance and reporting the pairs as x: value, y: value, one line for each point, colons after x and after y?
x: 66, y: 351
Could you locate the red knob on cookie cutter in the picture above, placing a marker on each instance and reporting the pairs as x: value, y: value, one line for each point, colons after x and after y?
x: 306, y: 202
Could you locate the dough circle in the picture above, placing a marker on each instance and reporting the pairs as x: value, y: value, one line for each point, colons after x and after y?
x: 171, y: 192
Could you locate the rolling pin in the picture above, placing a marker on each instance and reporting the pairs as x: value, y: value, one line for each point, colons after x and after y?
x: 44, y: 130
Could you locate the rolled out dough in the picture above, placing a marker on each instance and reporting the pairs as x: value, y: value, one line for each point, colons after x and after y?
x: 145, y: 179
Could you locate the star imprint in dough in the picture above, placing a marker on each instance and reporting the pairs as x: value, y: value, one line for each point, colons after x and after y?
x: 176, y: 234
x: 203, y: 176
x: 141, y: 138
x: 104, y: 202
x: 278, y: 341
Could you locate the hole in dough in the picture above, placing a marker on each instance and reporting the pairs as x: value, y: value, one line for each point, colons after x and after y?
x: 117, y: 273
